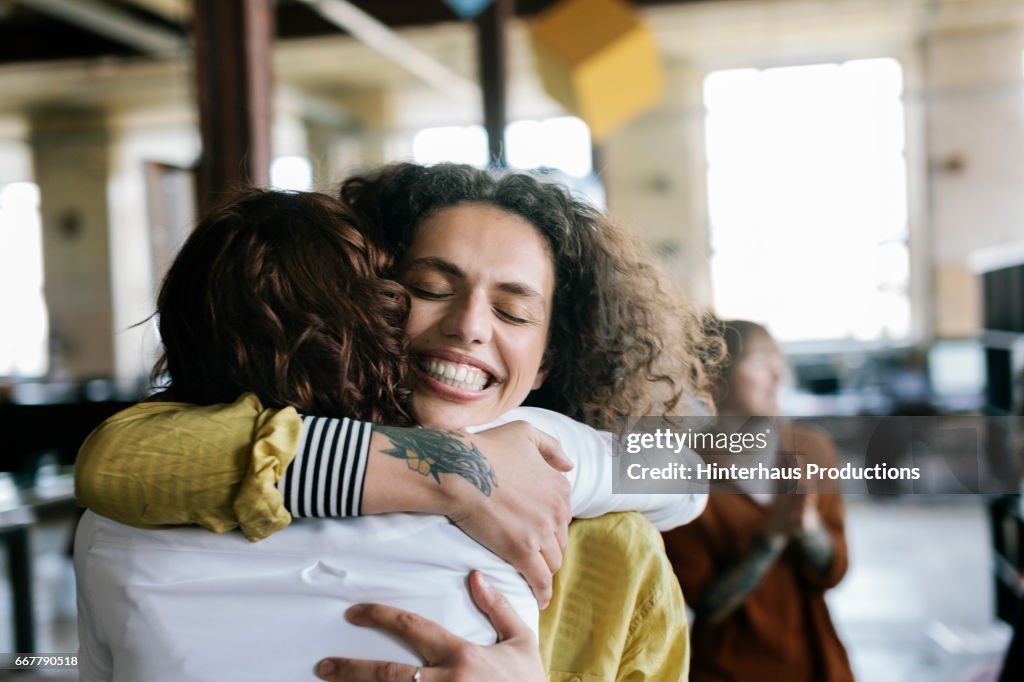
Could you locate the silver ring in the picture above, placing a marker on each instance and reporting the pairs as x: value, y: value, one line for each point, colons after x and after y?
x: 416, y: 675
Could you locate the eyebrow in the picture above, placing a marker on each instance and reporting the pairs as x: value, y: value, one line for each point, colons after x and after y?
x: 449, y: 268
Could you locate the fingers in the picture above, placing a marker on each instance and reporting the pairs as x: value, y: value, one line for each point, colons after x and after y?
x: 562, y: 536
x: 354, y: 670
x: 497, y: 608
x: 563, y: 516
x: 427, y: 638
x: 538, y: 573
x: 552, y: 555
x: 551, y: 450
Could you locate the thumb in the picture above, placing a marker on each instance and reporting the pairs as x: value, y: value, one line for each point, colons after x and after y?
x: 551, y: 451
x: 497, y: 608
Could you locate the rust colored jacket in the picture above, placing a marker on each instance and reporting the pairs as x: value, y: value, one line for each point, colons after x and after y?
x: 782, y: 631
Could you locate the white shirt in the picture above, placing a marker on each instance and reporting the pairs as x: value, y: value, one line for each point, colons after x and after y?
x: 186, y: 604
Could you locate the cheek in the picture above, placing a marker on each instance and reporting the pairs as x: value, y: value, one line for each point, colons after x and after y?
x: 529, y: 350
x: 418, y: 320
x: 764, y: 381
x: 747, y: 384
x: 767, y: 389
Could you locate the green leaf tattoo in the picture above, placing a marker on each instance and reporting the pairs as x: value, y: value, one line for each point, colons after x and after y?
x: 432, y: 453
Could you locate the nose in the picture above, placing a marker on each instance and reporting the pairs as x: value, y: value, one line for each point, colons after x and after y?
x: 468, y: 319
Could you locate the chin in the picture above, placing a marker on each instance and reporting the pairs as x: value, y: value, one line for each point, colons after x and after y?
x: 436, y: 421
x: 443, y: 416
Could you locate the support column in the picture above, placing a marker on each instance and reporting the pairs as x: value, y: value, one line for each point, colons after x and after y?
x: 492, y: 40
x: 71, y: 160
x: 234, y: 85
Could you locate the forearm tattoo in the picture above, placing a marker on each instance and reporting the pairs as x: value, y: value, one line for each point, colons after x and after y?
x: 432, y: 453
x: 725, y: 594
x: 817, y: 547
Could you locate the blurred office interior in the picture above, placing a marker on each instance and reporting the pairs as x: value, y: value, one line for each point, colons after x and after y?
x: 847, y: 172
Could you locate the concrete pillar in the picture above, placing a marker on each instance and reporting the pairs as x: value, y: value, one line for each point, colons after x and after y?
x: 372, y: 110
x: 974, y: 102
x: 322, y: 140
x: 70, y: 155
x: 647, y: 170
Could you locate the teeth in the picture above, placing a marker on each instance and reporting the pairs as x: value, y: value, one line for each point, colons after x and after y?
x: 457, y: 375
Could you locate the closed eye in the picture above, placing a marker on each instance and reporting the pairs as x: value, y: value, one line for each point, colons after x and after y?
x: 427, y: 293
x: 510, y: 318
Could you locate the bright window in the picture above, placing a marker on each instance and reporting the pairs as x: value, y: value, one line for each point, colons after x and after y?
x: 561, y: 143
x: 456, y: 144
x: 807, y: 199
x: 291, y: 173
x: 24, y: 328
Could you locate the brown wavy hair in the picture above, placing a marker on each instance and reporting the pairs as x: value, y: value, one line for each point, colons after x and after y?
x: 279, y: 293
x: 619, y: 344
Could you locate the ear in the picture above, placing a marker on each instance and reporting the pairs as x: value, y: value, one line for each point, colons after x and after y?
x: 542, y: 374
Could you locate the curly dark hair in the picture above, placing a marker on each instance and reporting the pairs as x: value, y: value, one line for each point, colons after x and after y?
x: 619, y: 344
x: 279, y: 293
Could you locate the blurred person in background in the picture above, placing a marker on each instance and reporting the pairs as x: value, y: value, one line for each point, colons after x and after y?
x: 755, y: 566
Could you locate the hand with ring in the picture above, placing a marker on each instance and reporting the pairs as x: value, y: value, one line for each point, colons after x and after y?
x: 515, y: 658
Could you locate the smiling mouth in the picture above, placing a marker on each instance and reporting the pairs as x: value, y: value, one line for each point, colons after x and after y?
x: 455, y: 374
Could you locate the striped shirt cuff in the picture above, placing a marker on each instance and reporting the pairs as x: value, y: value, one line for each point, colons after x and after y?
x: 327, y: 475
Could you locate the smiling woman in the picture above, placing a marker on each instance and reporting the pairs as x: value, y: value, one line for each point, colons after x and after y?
x: 615, y: 342
x: 481, y: 282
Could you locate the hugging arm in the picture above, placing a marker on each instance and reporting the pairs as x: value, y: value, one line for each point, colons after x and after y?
x: 597, y: 467
x: 241, y: 465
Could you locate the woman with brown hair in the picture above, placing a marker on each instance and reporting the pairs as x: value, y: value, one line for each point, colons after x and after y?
x: 246, y: 306
x: 490, y: 271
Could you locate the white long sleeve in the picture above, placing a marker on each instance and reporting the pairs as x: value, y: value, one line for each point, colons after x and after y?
x: 594, y: 467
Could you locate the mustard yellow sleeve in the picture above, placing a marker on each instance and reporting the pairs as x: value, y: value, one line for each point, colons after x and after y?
x: 161, y: 464
x: 617, y: 612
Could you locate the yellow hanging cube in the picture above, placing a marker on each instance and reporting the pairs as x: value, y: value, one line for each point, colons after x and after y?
x: 598, y: 60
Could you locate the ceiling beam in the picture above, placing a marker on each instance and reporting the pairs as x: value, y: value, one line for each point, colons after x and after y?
x: 179, y: 11
x: 392, y: 46
x: 112, y: 23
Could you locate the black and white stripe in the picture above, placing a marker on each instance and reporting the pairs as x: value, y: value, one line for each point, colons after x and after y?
x: 327, y: 475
